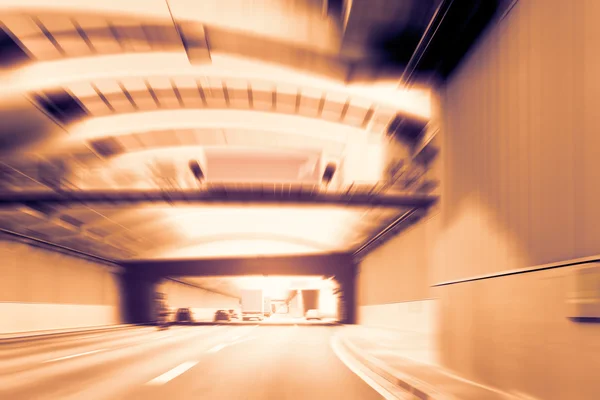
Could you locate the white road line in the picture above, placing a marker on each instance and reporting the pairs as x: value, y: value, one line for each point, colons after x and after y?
x: 335, y: 345
x: 217, y: 348
x: 491, y: 389
x: 172, y: 374
x: 74, y: 355
x: 165, y: 335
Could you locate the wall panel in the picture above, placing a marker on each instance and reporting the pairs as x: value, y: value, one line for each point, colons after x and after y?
x: 394, y: 281
x: 403, y: 263
x: 521, y: 150
x: 513, y: 122
x: 44, y: 290
x: 512, y: 333
x: 203, y: 303
x: 521, y: 187
x: 587, y: 175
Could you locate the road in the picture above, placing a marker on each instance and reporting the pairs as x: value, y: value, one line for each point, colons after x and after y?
x: 207, y: 362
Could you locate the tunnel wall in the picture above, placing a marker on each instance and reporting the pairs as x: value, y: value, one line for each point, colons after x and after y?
x: 393, y: 285
x: 522, y: 169
x: 41, y: 289
x: 203, y: 303
x: 340, y: 266
x: 521, y: 172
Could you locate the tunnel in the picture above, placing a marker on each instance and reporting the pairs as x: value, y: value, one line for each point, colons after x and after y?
x: 142, y: 280
x: 297, y: 199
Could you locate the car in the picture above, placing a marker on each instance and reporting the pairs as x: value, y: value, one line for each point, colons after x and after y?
x: 313, y: 314
x: 250, y: 317
x: 184, y: 315
x: 222, y: 315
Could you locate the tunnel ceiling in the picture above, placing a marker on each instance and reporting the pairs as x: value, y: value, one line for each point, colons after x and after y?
x: 122, y: 95
x: 277, y: 287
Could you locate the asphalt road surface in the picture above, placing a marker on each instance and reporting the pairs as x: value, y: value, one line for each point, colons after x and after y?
x: 195, y: 362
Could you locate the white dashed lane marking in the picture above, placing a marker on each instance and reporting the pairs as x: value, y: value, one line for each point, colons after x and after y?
x: 172, y: 374
x: 217, y: 348
x: 75, y: 355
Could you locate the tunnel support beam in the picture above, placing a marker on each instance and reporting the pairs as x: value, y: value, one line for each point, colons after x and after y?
x: 292, y: 195
x: 331, y: 264
x: 347, y: 295
x: 141, y: 277
x: 138, y: 293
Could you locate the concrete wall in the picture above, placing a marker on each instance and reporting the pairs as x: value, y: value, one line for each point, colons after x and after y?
x: 521, y: 173
x: 522, y: 165
x: 521, y: 189
x: 511, y: 332
x: 44, y: 290
x: 394, y: 282
x: 142, y: 275
x: 203, y: 303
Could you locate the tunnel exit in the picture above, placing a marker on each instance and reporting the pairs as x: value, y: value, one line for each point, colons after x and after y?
x: 254, y: 299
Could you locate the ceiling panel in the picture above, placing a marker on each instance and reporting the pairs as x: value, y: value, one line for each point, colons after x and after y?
x: 96, y: 106
x: 130, y: 142
x: 66, y: 35
x: 238, y: 98
x: 355, y: 115
x: 186, y: 137
x: 21, y: 26
x: 131, y: 35
x: 108, y: 86
x: 332, y: 111
x: 134, y: 84
x: 185, y: 82
x: 208, y: 137
x: 286, y: 101
x: 262, y: 100
x: 120, y: 102
x: 11, y: 218
x: 158, y: 231
x: 164, y: 138
x: 82, y: 90
x: 188, y: 90
x: 309, y: 106
x: 41, y: 48
x: 191, y: 97
x: 214, y: 94
x: 167, y: 98
x: 141, y: 97
x: 98, y: 32
x: 31, y: 36
x: 161, y: 37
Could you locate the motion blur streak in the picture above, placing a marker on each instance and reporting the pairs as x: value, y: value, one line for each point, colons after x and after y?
x: 179, y: 364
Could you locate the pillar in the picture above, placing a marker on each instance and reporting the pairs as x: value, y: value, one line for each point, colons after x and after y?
x: 138, y: 292
x: 347, y: 295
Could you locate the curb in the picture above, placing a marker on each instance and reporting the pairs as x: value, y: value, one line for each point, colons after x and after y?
x: 50, y: 334
x: 414, y: 386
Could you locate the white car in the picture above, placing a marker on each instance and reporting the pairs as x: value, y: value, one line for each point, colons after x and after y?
x: 313, y: 314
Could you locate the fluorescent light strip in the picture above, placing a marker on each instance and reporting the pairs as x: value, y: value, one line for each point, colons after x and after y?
x: 65, y: 72
x: 148, y: 8
x: 124, y: 124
